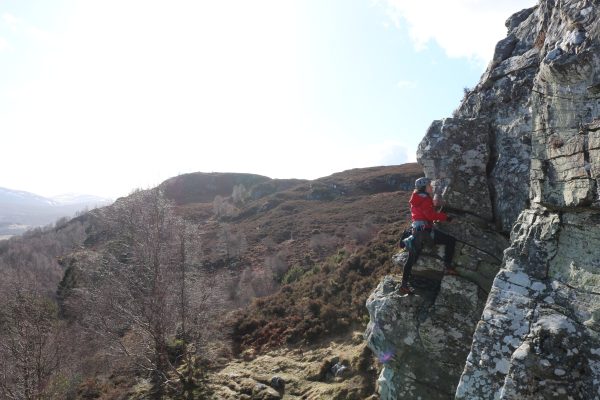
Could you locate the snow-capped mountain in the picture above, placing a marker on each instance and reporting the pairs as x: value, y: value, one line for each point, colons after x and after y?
x: 20, y: 210
x: 9, y: 196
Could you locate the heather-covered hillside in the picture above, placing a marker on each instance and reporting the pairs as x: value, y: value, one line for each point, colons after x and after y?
x: 153, y: 295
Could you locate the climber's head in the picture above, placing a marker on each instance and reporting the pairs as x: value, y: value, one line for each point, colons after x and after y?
x: 421, y: 184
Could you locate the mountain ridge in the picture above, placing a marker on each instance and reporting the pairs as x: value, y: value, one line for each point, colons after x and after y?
x: 21, y: 210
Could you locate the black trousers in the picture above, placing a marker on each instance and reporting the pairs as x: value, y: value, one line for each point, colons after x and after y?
x: 423, y: 237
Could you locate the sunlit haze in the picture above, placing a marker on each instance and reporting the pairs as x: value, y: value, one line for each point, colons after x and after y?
x: 102, y: 97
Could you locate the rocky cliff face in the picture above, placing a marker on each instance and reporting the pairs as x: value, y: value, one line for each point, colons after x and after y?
x: 521, y: 156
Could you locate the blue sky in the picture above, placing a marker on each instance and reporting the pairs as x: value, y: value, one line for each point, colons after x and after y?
x: 102, y: 97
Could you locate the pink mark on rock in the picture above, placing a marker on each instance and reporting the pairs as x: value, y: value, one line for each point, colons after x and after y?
x: 386, y: 356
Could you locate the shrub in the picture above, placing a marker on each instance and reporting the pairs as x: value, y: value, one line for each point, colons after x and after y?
x: 90, y: 389
x: 314, y: 307
x: 175, y: 350
x: 293, y: 274
x: 336, y: 291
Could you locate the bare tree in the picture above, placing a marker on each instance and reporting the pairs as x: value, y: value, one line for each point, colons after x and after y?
x: 277, y: 264
x: 200, y: 302
x: 31, y: 345
x: 322, y: 243
x: 147, y: 292
x: 254, y: 282
x: 364, y: 232
x: 232, y: 244
x: 222, y: 207
x: 34, y: 256
x: 240, y: 194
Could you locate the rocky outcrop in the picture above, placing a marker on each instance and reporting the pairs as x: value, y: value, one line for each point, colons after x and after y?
x: 538, y: 335
x: 422, y: 340
x: 521, y: 155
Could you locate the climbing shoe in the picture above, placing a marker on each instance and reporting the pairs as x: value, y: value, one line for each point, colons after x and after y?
x: 409, y: 244
x: 450, y: 271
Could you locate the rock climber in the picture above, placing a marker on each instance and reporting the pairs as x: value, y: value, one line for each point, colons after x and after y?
x: 423, y: 216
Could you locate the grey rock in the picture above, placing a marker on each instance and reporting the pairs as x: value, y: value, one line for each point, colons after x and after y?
x: 278, y: 383
x: 515, y: 64
x: 422, y: 340
x: 516, y: 19
x: 338, y: 369
x: 576, y: 37
x: 543, y: 304
x: 264, y: 392
x: 519, y: 166
x: 504, y: 49
x: 553, y: 54
x: 456, y: 152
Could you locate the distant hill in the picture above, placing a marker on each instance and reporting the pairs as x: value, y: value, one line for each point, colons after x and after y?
x: 18, y: 197
x: 296, y: 217
x: 20, y: 210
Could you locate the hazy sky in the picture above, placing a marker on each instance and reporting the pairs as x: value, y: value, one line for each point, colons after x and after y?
x: 104, y: 96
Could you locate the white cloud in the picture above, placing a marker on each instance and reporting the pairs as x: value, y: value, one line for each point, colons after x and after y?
x: 157, y: 91
x: 11, y: 21
x: 391, y: 153
x: 463, y: 28
x: 375, y: 154
x: 162, y: 91
x: 403, y: 84
x: 20, y: 29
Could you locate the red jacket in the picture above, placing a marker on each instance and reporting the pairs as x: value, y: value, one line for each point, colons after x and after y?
x: 421, y: 209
